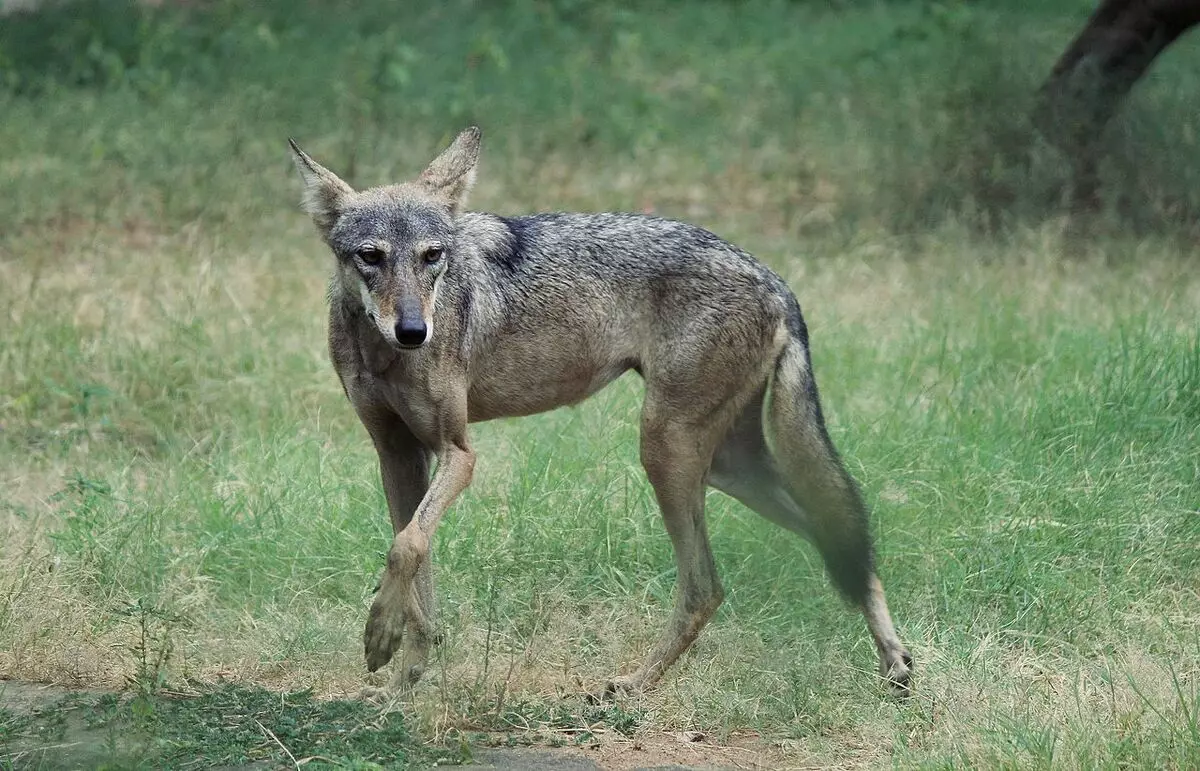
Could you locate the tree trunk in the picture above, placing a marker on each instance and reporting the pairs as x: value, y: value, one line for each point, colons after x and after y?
x: 1097, y: 70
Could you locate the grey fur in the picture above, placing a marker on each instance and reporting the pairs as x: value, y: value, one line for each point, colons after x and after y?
x: 524, y: 314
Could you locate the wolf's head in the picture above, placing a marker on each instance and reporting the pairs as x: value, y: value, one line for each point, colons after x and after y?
x: 393, y: 243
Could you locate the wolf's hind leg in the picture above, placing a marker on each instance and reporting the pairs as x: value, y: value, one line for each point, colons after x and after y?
x: 691, y: 401
x: 800, y: 483
x: 744, y: 469
x: 676, y: 463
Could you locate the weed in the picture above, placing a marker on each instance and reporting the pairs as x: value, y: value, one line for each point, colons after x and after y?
x: 152, y: 649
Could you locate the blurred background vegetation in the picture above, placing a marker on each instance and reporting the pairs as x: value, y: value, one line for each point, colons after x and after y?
x: 880, y: 115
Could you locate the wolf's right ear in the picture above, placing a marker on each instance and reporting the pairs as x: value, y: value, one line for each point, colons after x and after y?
x: 324, y: 192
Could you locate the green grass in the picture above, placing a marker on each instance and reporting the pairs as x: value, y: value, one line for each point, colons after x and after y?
x: 225, y: 726
x: 187, y: 495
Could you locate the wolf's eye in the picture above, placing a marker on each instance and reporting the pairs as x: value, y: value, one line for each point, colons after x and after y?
x: 370, y: 255
x: 433, y: 255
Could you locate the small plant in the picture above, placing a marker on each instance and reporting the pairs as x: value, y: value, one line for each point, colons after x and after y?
x: 152, y: 650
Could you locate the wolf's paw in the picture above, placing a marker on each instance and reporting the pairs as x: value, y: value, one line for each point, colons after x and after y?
x: 412, y: 665
x: 899, y: 674
x: 376, y: 695
x: 400, y: 686
x: 383, y: 635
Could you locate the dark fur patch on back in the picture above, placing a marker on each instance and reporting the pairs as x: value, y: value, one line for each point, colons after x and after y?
x: 512, y: 254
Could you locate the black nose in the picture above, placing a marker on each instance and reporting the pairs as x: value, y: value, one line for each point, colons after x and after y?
x: 410, y: 332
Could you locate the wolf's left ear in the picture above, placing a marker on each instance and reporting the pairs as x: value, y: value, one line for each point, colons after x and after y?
x: 324, y: 192
x: 452, y: 173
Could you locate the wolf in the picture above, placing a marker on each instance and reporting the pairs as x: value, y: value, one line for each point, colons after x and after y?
x: 441, y: 317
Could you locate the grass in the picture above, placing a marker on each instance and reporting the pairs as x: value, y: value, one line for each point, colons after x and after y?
x: 187, y: 496
x: 225, y: 726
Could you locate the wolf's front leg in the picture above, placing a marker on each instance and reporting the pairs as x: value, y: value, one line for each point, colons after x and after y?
x: 404, y: 466
x: 405, y: 604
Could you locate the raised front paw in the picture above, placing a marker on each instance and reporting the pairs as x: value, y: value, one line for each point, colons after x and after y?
x: 897, y: 670
x: 384, y: 633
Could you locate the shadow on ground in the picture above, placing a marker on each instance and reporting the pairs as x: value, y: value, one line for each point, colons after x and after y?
x: 239, y: 727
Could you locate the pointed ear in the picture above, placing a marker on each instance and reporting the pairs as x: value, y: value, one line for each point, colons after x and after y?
x: 452, y: 173
x: 324, y: 193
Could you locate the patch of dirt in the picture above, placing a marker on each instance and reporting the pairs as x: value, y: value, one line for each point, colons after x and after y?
x: 684, y: 751
x: 631, y: 756
x: 23, y: 698
x: 531, y: 759
x: 657, y: 752
x: 72, y: 743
